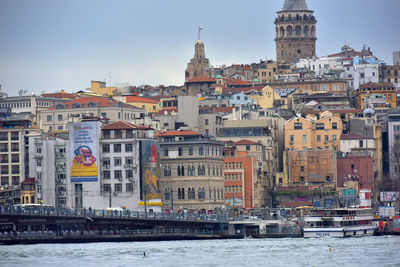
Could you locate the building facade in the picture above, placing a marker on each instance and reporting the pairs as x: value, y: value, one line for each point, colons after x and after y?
x: 192, y: 176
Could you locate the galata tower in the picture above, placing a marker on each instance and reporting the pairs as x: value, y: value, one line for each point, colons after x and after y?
x: 295, y: 31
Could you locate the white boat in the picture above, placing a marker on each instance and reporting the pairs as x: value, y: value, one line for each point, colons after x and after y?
x: 343, y: 222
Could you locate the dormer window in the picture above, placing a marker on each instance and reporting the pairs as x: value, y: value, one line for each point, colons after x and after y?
x: 75, y: 105
x: 60, y: 106
x: 92, y: 105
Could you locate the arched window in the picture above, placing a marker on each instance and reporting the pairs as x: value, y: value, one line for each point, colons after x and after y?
x: 92, y: 105
x: 306, y: 31
x: 183, y: 193
x: 60, y: 106
x: 289, y: 30
x: 179, y: 193
x: 298, y: 30
x: 189, y: 193
x: 305, y: 17
x: 180, y: 151
x: 75, y: 105
x: 183, y: 171
x: 179, y: 171
x: 199, y: 193
x: 193, y: 193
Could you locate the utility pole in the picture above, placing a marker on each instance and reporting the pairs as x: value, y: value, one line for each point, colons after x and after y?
x: 366, y: 146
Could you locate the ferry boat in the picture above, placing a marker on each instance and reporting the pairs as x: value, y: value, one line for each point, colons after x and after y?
x: 341, y: 222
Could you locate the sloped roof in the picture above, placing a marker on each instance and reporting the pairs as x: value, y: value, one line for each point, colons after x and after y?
x: 123, y: 125
x: 179, y: 133
x: 245, y: 142
x: 293, y: 5
x: 353, y: 137
x: 140, y: 99
x: 201, y: 79
x: 99, y: 100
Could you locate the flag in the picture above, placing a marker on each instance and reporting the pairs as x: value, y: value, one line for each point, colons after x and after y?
x: 200, y: 29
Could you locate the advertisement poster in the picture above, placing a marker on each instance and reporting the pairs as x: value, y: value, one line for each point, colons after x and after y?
x: 84, y: 151
x: 150, y: 169
x: 389, y: 196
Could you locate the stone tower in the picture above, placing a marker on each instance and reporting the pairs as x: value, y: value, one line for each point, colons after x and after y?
x: 295, y: 31
x: 199, y: 65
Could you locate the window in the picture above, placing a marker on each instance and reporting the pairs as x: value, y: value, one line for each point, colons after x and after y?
x: 128, y: 148
x: 334, y: 137
x: 320, y: 126
x: 106, y: 187
x: 118, y: 174
x: 118, y: 187
x: 180, y: 151
x: 129, y: 187
x: 318, y: 138
x: 106, y: 175
x: 190, y: 151
x: 361, y: 143
x: 60, y: 117
x: 334, y: 125
x: 302, y: 168
x: 3, y: 136
x: 206, y: 122
x: 247, y: 148
x: 166, y: 152
x: 304, y: 138
x: 291, y: 138
x: 117, y: 161
x: 201, y: 151
x: 106, y: 148
x: 326, y: 138
x: 117, y: 148
x: 49, y: 117
x: 298, y: 126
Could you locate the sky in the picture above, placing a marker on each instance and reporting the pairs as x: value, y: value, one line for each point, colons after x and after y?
x: 53, y: 45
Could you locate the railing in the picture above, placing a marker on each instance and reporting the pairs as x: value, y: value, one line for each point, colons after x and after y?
x: 123, y: 214
x: 15, y: 235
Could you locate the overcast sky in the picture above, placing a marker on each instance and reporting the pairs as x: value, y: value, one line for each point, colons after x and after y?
x: 50, y: 45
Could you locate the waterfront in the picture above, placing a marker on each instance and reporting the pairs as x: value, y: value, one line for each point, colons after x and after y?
x: 373, y: 251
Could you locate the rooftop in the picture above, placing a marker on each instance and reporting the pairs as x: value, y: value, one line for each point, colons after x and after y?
x: 123, y: 125
x: 293, y: 5
x: 179, y: 133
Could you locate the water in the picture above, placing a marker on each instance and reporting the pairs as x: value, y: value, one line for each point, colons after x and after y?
x: 363, y: 251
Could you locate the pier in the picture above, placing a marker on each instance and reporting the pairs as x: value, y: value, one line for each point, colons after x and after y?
x: 22, y: 225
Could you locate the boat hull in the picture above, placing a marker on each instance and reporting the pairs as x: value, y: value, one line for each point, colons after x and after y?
x: 338, y: 232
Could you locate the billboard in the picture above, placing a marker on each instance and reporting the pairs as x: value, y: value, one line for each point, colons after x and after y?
x: 149, y: 169
x: 84, y: 151
x: 387, y: 212
x: 389, y: 196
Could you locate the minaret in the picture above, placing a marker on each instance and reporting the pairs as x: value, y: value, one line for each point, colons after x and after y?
x: 295, y: 31
x: 199, y: 65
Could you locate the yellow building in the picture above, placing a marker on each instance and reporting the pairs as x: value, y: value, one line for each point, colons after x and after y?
x: 150, y: 105
x: 28, y: 191
x: 102, y: 89
x: 376, y: 95
x: 311, y: 134
x: 274, y: 98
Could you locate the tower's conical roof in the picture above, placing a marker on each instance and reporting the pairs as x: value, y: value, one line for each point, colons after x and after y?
x: 293, y: 5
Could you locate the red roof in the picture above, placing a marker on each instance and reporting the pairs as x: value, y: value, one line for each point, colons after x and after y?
x: 242, y: 89
x: 201, y: 79
x: 245, y: 142
x: 236, y: 82
x: 178, y: 133
x: 123, y: 125
x: 61, y: 95
x: 223, y: 109
x: 140, y: 99
x: 28, y: 181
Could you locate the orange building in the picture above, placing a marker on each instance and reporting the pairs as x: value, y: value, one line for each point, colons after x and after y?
x: 313, y: 134
x: 240, y: 178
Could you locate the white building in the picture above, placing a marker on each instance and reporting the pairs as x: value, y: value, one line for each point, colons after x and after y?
x: 358, y: 74
x: 47, y: 157
x: 320, y: 66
